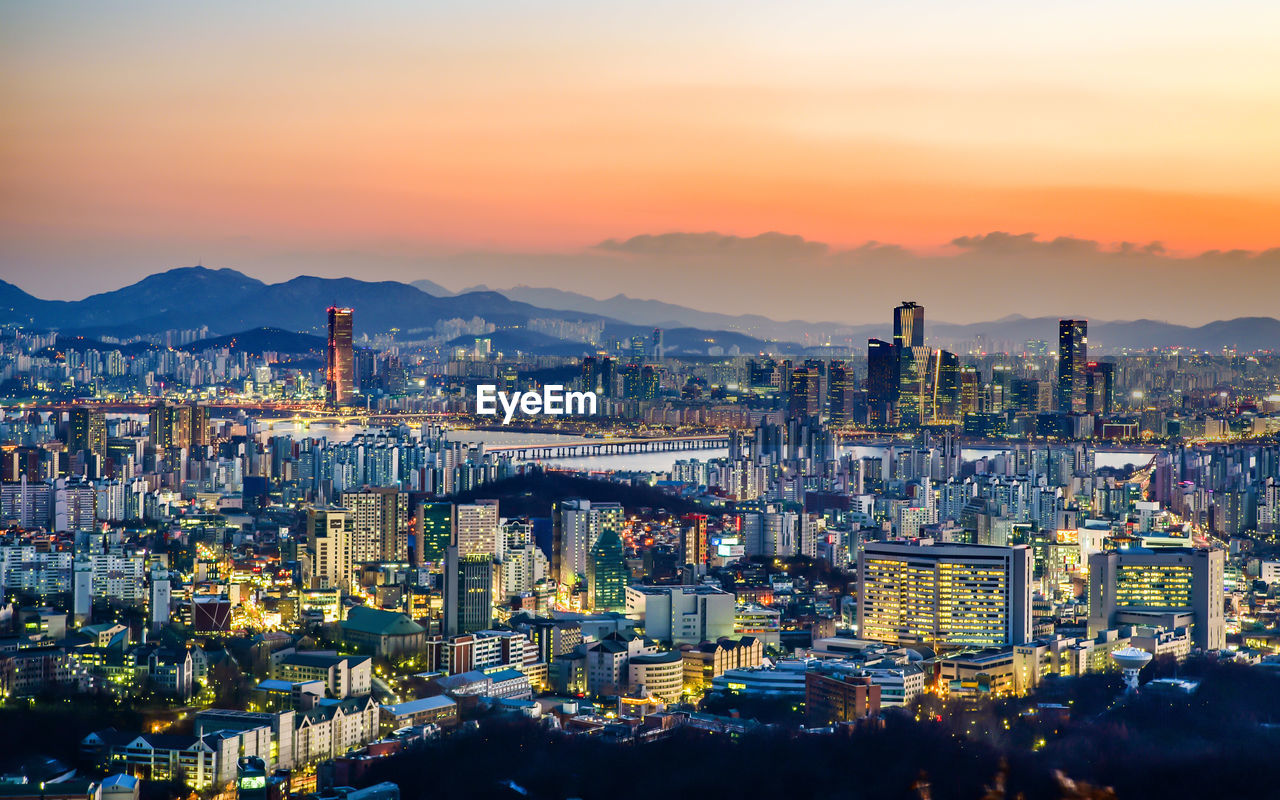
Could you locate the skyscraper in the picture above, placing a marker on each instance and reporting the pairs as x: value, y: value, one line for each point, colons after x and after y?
x: 805, y: 392
x: 842, y: 391
x: 468, y: 592
x: 340, y: 370
x: 1100, y: 379
x: 433, y: 530
x: 475, y: 527
x: 1073, y: 346
x: 908, y: 325
x: 382, y: 515
x: 882, y: 381
x: 914, y: 395
x: 87, y: 431
x: 945, y: 382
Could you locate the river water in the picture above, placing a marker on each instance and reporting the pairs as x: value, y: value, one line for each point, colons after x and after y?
x: 638, y: 462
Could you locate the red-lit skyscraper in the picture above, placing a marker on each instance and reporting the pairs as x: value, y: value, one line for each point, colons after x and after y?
x: 340, y: 371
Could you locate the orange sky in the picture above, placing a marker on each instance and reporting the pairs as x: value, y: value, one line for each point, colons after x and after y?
x: 153, y: 135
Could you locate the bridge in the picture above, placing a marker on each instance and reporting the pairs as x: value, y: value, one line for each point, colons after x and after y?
x: 611, y: 447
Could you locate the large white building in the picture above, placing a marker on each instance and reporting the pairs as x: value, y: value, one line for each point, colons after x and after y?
x: 944, y: 596
x: 682, y: 614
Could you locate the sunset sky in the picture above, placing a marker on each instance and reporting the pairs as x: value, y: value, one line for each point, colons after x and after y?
x: 462, y: 142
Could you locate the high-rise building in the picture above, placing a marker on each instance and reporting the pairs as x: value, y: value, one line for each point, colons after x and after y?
x: 1168, y: 588
x: 1073, y: 347
x: 576, y: 525
x: 882, y: 381
x: 382, y: 516
x: 177, y: 425
x: 945, y: 382
x: 87, y: 431
x: 805, y: 392
x: 945, y: 596
x: 1100, y: 379
x: 330, y: 542
x: 908, y: 325
x: 340, y: 368
x: 468, y: 592
x: 607, y: 574
x: 658, y: 348
x: 842, y: 391
x: 433, y: 530
x: 914, y: 393
x: 475, y: 527
x: 970, y: 390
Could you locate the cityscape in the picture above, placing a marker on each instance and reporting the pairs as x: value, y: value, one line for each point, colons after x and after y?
x: 464, y: 466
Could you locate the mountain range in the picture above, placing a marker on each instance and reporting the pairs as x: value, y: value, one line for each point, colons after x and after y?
x: 1242, y: 333
x: 237, y: 308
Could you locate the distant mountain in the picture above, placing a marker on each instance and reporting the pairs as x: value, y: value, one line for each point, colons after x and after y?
x: 228, y: 302
x: 260, y: 340
x: 1243, y: 333
x: 655, y: 313
x: 436, y: 290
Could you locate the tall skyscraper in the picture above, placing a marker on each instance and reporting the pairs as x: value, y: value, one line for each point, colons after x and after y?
x: 1073, y: 347
x: 433, y: 530
x: 1100, y: 379
x: 908, y: 325
x: 87, y: 431
x: 468, y: 592
x: 177, y: 425
x: 882, y: 381
x: 914, y: 394
x: 659, y: 348
x: 946, y: 596
x: 340, y: 370
x: 804, y: 390
x: 842, y: 390
x: 945, y: 382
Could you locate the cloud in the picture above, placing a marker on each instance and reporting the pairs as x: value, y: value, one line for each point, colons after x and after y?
x: 711, y: 244
x: 1021, y: 244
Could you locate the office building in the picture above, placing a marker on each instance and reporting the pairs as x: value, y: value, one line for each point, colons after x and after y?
x: 682, y: 614
x: 1168, y: 588
x: 607, y: 574
x: 882, y: 382
x: 945, y: 596
x: 468, y: 592
x: 381, y: 520
x: 475, y: 527
x: 330, y: 543
x: 1073, y: 353
x: 340, y: 366
x: 87, y: 431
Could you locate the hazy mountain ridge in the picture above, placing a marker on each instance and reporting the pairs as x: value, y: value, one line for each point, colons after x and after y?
x: 230, y: 302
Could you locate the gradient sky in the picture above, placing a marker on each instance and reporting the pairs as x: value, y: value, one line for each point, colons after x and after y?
x: 417, y: 139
